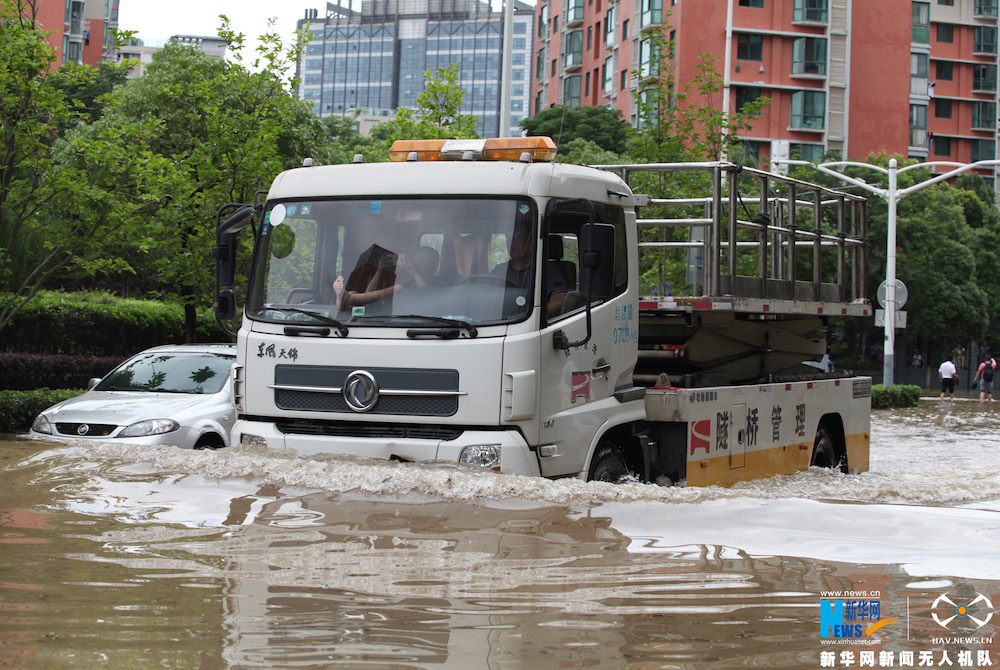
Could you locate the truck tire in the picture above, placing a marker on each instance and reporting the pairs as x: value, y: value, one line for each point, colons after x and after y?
x: 824, y: 453
x: 609, y: 465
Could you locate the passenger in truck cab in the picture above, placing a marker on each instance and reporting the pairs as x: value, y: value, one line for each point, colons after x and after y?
x: 373, y: 278
x: 518, y: 272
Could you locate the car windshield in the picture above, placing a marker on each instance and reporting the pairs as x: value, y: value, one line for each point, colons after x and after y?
x: 395, y: 262
x: 168, y: 372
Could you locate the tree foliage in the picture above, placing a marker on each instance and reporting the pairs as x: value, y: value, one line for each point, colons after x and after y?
x: 602, y: 126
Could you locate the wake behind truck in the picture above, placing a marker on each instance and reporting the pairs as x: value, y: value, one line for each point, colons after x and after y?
x: 473, y: 302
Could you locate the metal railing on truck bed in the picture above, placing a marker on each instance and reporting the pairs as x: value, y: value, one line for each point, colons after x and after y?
x: 760, y: 243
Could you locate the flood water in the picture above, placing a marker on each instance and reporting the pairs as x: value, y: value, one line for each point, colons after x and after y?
x: 118, y: 557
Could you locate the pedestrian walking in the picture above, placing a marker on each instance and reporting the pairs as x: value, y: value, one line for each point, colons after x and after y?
x: 984, y: 375
x: 947, y: 372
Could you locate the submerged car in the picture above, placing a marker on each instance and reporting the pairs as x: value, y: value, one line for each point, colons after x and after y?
x: 173, y: 395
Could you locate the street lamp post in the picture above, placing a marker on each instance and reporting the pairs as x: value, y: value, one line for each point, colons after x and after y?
x: 892, y: 195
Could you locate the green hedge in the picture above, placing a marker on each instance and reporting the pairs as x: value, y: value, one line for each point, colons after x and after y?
x: 897, y: 395
x: 21, y: 372
x: 19, y: 408
x: 100, y: 324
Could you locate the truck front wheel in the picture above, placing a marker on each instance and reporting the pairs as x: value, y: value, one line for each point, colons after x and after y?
x: 608, y: 464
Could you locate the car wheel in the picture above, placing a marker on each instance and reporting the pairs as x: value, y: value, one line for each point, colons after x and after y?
x: 209, y: 441
x: 609, y: 464
x: 824, y: 455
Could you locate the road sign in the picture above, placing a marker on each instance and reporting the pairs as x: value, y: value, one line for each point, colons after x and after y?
x: 901, y: 294
x: 900, y: 321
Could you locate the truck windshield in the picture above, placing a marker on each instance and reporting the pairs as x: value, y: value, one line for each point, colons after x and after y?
x: 391, y: 262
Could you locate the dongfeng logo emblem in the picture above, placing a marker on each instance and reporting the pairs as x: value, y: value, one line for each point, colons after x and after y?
x: 360, y: 391
x: 82, y: 429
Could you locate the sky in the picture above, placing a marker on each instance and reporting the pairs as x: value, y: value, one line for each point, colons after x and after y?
x: 156, y: 21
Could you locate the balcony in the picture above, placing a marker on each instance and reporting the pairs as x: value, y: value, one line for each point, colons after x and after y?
x: 984, y: 116
x: 984, y: 150
x: 651, y: 13
x: 573, y: 56
x: 810, y: 11
x: 918, y: 138
x: 984, y: 79
x: 574, y: 13
x: 808, y: 111
x: 984, y: 41
x: 809, y: 56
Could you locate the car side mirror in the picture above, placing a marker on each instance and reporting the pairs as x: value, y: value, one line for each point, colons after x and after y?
x: 92, y: 382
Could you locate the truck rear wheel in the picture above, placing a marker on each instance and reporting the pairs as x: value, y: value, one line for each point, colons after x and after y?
x: 609, y: 465
x: 824, y: 453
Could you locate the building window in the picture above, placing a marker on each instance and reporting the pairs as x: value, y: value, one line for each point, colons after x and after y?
x: 807, y: 152
x: 590, y: 37
x: 984, y: 150
x: 942, y: 108
x: 949, y: 3
x: 809, y: 55
x: 573, y: 56
x: 984, y: 40
x: 750, y: 47
x: 921, y: 23
x: 918, y: 125
x: 651, y: 12
x: 609, y: 28
x: 625, y: 30
x: 552, y: 69
x: 543, y: 20
x: 648, y: 62
x: 984, y: 78
x: 986, y: 8
x: 540, y: 65
x: 811, y: 11
x: 624, y: 80
x: 941, y: 145
x: 984, y: 115
x: 574, y: 11
x: 571, y: 91
x: 943, y: 70
x: 538, y: 102
x: 608, y: 76
x: 745, y: 95
x: 586, y: 85
x: 809, y: 110
x: 945, y: 33
x: 752, y: 3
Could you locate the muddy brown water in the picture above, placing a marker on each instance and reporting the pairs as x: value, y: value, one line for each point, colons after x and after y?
x: 114, y: 557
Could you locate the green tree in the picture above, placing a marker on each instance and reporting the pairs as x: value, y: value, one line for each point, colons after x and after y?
x: 32, y: 245
x: 438, y: 113
x: 601, y: 125
x: 685, y: 121
x: 204, y: 132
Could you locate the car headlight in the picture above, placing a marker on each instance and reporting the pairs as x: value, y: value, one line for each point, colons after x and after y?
x: 483, y: 455
x: 41, y: 425
x: 150, y: 427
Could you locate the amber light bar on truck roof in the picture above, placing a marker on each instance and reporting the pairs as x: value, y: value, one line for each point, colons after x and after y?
x: 538, y: 149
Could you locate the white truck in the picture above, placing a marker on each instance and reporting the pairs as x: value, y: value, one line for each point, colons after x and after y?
x: 473, y: 302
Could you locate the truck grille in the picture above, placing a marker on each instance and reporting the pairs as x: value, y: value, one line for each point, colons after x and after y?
x: 403, y: 391
x: 361, y: 429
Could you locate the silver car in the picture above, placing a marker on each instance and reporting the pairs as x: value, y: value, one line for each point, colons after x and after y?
x: 176, y: 394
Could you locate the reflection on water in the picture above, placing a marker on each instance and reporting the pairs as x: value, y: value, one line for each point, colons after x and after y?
x: 118, y: 558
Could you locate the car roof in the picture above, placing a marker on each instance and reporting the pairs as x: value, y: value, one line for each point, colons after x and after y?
x: 221, y: 349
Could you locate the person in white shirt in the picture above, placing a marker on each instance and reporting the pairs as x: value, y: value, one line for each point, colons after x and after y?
x: 948, y: 373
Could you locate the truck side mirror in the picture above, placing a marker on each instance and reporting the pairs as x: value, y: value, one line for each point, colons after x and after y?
x: 224, y: 253
x: 597, y: 260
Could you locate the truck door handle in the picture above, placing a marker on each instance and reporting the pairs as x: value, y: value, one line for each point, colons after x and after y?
x: 601, y: 369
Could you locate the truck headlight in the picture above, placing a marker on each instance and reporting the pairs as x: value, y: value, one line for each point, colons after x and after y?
x: 150, y: 427
x: 41, y: 425
x: 483, y: 455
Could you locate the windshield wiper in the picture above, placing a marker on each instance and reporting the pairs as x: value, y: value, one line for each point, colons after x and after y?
x: 322, y: 318
x: 443, y: 320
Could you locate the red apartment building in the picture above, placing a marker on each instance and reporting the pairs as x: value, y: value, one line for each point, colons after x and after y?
x: 79, y: 31
x: 848, y: 76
